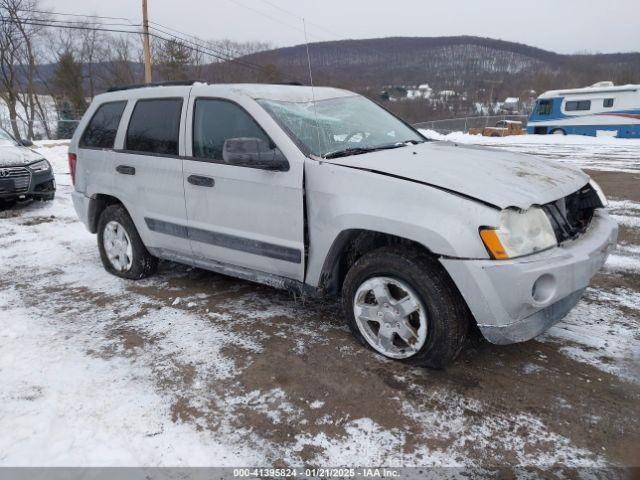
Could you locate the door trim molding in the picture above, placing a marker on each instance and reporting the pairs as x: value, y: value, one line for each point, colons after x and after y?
x: 235, y: 271
x: 225, y: 240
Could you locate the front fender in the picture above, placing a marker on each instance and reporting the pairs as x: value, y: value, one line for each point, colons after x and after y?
x: 341, y: 199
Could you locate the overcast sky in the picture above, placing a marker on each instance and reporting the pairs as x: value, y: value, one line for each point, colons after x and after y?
x: 564, y: 26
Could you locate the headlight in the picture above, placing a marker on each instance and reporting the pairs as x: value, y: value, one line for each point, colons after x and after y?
x: 600, y: 193
x: 41, y: 166
x: 520, y: 233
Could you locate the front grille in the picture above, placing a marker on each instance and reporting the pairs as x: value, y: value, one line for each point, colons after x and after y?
x: 571, y: 215
x: 21, y: 179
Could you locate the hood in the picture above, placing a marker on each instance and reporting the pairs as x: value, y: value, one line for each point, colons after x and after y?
x: 496, y: 177
x: 13, y: 155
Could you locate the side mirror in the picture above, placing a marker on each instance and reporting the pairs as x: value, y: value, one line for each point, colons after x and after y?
x: 253, y: 153
x: 26, y: 143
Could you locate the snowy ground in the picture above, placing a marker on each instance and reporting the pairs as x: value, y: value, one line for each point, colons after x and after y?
x: 603, y: 153
x: 190, y: 368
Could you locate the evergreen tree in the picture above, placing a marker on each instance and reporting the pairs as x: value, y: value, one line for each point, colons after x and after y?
x: 67, y: 83
x: 173, y: 60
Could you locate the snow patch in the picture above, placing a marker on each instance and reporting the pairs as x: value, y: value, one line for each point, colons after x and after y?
x: 599, y: 333
x: 595, y: 153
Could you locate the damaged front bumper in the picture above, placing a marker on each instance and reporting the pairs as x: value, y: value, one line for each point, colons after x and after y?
x: 516, y: 300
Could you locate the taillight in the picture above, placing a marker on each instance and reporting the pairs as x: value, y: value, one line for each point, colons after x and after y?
x: 73, y: 158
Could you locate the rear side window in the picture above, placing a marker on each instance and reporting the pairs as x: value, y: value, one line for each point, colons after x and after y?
x: 215, y: 121
x: 573, y: 106
x: 155, y: 126
x: 102, y: 129
x: 607, y: 103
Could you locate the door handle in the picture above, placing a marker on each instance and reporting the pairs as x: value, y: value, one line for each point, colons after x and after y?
x: 199, y: 181
x: 126, y: 170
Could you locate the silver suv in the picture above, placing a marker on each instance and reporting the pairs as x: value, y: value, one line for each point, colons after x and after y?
x: 323, y: 192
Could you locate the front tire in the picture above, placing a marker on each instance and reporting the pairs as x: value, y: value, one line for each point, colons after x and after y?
x: 121, y: 249
x: 402, y: 304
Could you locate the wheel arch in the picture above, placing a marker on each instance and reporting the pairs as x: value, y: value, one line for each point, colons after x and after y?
x: 97, y: 204
x: 348, y: 247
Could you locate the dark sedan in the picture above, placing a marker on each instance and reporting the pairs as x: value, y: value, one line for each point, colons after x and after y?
x: 24, y: 173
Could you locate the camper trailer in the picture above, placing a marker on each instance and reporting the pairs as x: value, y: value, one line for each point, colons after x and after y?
x: 602, y: 109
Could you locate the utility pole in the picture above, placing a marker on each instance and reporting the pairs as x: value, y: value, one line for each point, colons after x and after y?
x: 147, y: 48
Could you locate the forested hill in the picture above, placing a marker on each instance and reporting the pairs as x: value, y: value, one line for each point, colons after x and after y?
x: 462, y: 62
x: 466, y: 75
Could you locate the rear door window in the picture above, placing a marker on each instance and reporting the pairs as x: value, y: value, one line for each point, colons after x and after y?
x: 607, y: 103
x: 215, y: 121
x: 155, y: 126
x: 103, y: 126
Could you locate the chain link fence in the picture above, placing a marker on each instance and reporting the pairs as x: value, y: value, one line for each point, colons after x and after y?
x: 464, y: 124
x: 47, y: 122
x: 57, y: 129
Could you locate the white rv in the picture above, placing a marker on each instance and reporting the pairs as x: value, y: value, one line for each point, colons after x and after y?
x: 601, y: 109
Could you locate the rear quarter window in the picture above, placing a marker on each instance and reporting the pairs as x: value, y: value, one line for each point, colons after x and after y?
x: 155, y: 126
x: 103, y: 126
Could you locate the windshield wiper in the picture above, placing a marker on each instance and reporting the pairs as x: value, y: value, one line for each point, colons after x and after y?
x: 360, y: 150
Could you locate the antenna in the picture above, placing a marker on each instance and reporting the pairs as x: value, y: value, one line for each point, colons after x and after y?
x: 313, y: 92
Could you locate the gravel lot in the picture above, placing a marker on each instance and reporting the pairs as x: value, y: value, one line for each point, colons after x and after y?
x: 191, y: 368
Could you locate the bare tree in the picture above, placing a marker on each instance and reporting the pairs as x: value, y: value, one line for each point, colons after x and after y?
x: 18, y: 62
x: 234, y: 49
x: 119, y: 66
x: 91, y: 53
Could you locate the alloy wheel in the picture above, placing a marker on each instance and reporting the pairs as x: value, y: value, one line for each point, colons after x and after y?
x: 391, y: 317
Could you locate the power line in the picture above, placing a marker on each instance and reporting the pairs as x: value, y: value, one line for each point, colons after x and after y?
x: 42, y: 23
x: 195, y: 39
x: 192, y: 42
x: 289, y: 12
x: 302, y: 19
x: 113, y: 30
x: 72, y: 14
x: 206, y: 49
x: 259, y: 12
x: 86, y: 23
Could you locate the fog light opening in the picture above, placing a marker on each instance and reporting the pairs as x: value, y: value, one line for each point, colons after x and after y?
x: 544, y: 288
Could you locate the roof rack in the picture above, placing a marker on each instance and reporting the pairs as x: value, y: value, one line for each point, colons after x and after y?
x: 153, y: 84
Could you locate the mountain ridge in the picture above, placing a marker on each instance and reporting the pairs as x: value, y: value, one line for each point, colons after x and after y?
x: 411, y: 53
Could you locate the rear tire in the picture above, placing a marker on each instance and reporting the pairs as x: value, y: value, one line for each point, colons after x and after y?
x: 121, y: 249
x: 447, y: 315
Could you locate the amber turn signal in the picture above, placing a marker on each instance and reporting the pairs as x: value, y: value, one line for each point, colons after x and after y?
x: 493, y: 244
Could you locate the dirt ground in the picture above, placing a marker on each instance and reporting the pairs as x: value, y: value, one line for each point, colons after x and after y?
x: 280, y: 380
